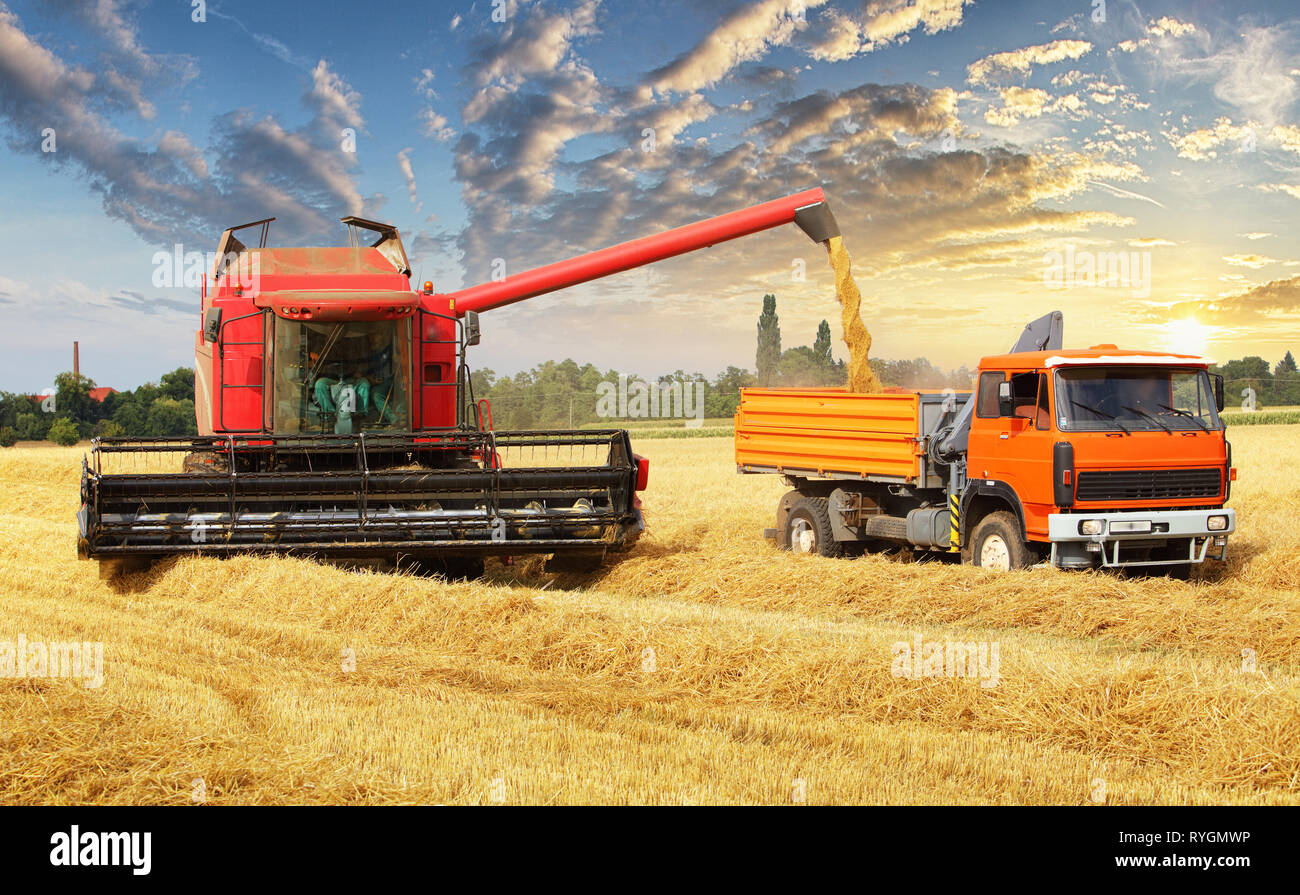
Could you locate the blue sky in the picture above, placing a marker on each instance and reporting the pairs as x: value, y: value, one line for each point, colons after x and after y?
x: 987, y: 161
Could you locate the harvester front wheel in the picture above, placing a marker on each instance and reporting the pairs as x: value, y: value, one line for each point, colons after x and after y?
x: 808, y: 528
x: 997, y: 544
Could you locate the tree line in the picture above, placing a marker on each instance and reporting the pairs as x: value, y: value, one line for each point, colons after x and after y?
x: 69, y: 413
x: 1257, y: 384
x: 562, y: 394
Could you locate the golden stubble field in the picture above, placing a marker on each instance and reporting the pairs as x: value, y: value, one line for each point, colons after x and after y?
x: 705, y: 667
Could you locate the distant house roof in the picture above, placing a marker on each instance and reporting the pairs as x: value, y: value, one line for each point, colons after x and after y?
x: 98, y: 394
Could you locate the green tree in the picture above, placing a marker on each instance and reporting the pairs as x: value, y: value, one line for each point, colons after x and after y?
x: 723, y: 396
x: 73, y: 399
x: 168, y: 416
x: 767, y: 360
x: 1286, y: 381
x: 8, y: 437
x: 32, y: 426
x: 64, y: 431
x: 130, y: 417
x: 178, y: 384
x: 822, y: 344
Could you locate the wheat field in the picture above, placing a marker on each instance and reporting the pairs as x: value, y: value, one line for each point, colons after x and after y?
x: 705, y: 667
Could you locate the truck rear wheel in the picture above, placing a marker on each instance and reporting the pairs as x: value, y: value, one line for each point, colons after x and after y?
x: 808, y: 528
x: 997, y: 544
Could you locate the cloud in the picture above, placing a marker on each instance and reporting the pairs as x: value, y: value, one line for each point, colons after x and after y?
x: 172, y: 191
x: 408, y: 174
x: 1150, y: 242
x: 1169, y: 26
x: 1257, y: 235
x: 1204, y: 143
x: 1250, y: 71
x: 1287, y: 136
x: 1277, y: 301
x: 1292, y: 190
x: 882, y: 23
x: 1019, y: 103
x: 745, y: 34
x: 333, y: 99
x: 1254, y: 262
x: 1023, y: 60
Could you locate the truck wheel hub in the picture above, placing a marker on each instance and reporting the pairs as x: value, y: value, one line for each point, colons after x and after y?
x: 802, y: 538
x: 994, y: 553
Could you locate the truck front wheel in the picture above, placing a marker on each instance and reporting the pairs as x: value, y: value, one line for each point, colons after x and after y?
x: 808, y: 528
x: 996, y: 544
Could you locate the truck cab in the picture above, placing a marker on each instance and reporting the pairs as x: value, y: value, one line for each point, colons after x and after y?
x: 1106, y: 457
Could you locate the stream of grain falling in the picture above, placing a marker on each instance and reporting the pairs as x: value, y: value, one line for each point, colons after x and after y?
x: 861, y: 377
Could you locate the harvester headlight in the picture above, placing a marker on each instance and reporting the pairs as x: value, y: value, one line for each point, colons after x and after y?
x: 1092, y: 526
x: 1217, y: 523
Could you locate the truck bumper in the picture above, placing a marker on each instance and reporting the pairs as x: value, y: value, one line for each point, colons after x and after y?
x: 1133, y: 537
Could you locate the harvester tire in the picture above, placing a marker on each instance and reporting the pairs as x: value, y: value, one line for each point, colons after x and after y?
x: 808, y: 529
x: 998, y: 544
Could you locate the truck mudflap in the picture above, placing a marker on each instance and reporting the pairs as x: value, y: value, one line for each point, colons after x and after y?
x: 427, y: 494
x: 1133, y: 538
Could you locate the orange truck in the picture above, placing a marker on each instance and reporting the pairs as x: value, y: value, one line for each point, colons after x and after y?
x: 1083, y: 458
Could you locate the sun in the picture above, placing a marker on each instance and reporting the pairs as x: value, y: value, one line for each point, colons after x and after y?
x: 1189, y: 336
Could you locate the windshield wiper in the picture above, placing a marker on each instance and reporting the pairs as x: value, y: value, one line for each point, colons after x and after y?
x: 1153, y: 418
x: 1104, y: 415
x: 1176, y: 411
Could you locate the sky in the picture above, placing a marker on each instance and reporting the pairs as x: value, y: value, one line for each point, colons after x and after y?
x: 1135, y: 165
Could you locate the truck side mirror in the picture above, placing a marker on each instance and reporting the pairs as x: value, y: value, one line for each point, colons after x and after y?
x: 471, y: 328
x: 212, y: 325
x: 1006, y: 407
x: 1218, y: 391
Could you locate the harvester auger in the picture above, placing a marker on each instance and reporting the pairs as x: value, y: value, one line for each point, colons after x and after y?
x: 337, y: 418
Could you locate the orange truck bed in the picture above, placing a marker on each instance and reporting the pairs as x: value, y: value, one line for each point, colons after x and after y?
x: 837, y: 433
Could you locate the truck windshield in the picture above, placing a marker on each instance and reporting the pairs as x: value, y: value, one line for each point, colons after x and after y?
x: 1132, y: 398
x: 340, y: 378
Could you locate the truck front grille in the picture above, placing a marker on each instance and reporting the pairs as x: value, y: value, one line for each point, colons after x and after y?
x: 1148, y: 484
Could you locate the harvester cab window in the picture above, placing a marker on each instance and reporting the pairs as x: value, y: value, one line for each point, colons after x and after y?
x: 340, y: 378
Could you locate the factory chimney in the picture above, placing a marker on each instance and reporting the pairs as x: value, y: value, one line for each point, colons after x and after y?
x: 76, y: 360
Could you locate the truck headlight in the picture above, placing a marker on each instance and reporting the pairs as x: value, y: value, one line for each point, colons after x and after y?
x: 1217, y: 523
x: 1092, y: 526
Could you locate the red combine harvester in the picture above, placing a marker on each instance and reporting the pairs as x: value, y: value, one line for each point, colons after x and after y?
x: 337, y: 418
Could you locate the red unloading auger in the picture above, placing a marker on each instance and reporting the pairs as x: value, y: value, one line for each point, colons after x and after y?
x: 807, y: 210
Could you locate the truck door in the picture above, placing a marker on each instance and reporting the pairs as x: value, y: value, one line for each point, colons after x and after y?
x: 1015, y: 446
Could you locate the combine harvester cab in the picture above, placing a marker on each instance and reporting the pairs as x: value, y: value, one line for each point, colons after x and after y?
x: 336, y: 417
x: 1082, y: 458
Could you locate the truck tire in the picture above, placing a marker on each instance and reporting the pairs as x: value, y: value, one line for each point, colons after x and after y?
x: 996, y: 543
x: 808, y: 528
